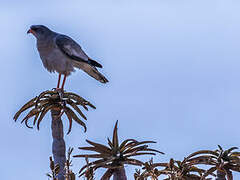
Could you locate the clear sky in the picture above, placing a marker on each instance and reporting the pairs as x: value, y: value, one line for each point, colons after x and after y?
x: 173, y: 67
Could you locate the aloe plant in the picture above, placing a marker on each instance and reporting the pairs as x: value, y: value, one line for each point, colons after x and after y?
x: 222, y: 161
x: 115, y: 155
x: 69, y: 175
x: 175, y: 170
x: 58, y: 103
x: 150, y: 170
x: 54, y: 170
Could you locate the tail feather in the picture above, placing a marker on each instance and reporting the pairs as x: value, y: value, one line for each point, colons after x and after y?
x: 96, y: 74
x: 94, y: 63
x: 91, y: 71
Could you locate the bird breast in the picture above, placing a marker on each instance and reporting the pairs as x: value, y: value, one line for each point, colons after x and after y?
x: 53, y: 59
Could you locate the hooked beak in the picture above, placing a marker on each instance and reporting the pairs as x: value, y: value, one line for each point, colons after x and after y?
x: 30, y: 31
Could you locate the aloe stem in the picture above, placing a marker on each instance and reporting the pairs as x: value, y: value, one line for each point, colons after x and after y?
x: 107, y: 175
x: 119, y: 174
x: 221, y: 175
x: 58, y: 145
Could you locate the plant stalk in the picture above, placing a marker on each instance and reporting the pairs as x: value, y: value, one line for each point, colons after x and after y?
x: 58, y: 144
x: 221, y: 175
x: 107, y: 175
x: 119, y: 174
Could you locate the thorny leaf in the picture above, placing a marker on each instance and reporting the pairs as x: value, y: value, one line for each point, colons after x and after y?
x: 49, y: 100
x: 116, y: 154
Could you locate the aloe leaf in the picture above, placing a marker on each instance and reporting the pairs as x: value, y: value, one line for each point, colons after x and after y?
x: 74, y: 116
x: 76, y: 108
x: 28, y: 105
x: 115, y: 136
x: 43, y: 113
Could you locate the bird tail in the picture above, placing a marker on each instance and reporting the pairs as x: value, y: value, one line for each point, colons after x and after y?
x: 97, y: 75
x: 94, y: 63
x: 91, y: 71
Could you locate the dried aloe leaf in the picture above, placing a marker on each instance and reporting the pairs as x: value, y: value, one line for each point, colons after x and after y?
x: 29, y: 104
x: 100, y: 146
x: 43, y: 113
x: 77, y: 109
x: 36, y: 117
x: 115, y: 137
x: 70, y: 121
x: 74, y: 116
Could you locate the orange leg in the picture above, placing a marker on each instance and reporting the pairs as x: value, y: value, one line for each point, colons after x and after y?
x: 59, y: 79
x: 64, y: 79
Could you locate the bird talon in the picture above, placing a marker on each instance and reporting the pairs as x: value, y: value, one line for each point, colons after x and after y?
x: 57, y: 89
x: 60, y: 92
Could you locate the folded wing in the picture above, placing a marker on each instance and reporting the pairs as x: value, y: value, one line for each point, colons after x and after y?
x: 74, y: 51
x: 70, y: 48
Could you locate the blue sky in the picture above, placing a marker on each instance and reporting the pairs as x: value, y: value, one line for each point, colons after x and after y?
x: 173, y: 68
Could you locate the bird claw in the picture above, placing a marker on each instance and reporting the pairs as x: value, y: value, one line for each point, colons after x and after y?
x: 58, y: 89
x: 60, y: 92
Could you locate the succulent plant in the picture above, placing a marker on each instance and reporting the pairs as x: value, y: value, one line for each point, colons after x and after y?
x: 54, y: 170
x: 115, y: 154
x: 69, y: 175
x: 220, y: 160
x: 67, y: 102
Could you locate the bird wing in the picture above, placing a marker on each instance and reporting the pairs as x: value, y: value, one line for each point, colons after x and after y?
x: 71, y: 49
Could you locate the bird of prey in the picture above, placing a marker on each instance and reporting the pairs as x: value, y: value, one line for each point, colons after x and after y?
x: 60, y: 53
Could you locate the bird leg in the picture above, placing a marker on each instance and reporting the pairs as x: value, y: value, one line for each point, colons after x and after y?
x: 60, y: 90
x: 59, y: 79
x: 64, y: 79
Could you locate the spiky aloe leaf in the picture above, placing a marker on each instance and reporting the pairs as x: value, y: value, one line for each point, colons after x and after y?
x: 206, y: 159
x: 139, y: 154
x: 74, y: 116
x: 110, y: 143
x: 99, y: 150
x: 56, y: 169
x: 195, y: 169
x: 97, y: 164
x: 32, y: 113
x: 56, y: 100
x: 43, y: 94
x: 70, y: 122
x: 235, y: 154
x: 227, y: 152
x: 43, y: 113
x: 36, y: 117
x: 134, y: 146
x: 124, y: 143
x: 116, y: 156
x: 71, y: 103
x: 128, y: 145
x: 133, y: 162
x: 154, y: 150
x: 115, y: 137
x: 28, y: 105
x: 235, y: 167
x: 209, y: 171
x: 79, y: 100
x: 220, y: 147
x: 100, y: 146
x: 202, y: 152
x: 90, y: 155
x: 135, y: 149
x: 160, y: 164
x: 90, y: 164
